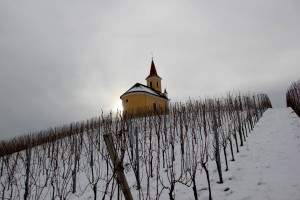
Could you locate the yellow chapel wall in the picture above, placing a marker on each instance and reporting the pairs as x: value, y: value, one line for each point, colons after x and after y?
x: 140, y: 103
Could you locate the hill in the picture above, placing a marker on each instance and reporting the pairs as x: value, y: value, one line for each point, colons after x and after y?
x: 268, y: 166
x: 176, y: 154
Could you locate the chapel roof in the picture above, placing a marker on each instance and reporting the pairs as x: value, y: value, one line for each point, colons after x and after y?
x: 140, y: 88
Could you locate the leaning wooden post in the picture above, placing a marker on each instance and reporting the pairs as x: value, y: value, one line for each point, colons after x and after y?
x: 118, y: 168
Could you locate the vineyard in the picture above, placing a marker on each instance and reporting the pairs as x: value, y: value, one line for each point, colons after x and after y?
x: 157, y: 153
x: 293, y: 96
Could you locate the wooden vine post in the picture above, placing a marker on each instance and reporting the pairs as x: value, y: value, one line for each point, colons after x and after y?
x: 28, y: 158
x: 117, y: 166
x: 137, y: 160
x: 217, y: 153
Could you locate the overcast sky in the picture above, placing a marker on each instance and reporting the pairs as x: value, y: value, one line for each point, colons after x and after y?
x: 64, y: 61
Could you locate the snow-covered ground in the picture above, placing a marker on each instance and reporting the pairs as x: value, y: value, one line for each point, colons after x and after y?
x: 268, y: 166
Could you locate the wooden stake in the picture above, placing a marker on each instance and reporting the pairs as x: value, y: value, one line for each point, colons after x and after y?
x: 137, y: 159
x: 118, y: 168
x: 218, y: 160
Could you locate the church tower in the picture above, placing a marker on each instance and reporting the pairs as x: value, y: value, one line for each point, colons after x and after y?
x: 153, y: 80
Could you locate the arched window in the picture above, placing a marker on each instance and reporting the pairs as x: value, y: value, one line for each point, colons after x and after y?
x: 151, y: 84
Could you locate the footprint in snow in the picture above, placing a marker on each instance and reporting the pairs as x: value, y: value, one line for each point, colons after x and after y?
x: 205, y: 188
x: 261, y: 183
x: 239, y: 169
x: 243, y: 155
x: 230, y: 192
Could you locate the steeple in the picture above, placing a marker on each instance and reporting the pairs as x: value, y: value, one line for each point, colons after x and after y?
x: 153, y: 80
x: 153, y: 71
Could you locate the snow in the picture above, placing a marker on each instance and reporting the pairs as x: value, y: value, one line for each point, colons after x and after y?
x: 268, y: 166
x: 141, y: 88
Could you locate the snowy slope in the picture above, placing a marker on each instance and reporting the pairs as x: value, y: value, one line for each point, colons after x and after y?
x: 268, y: 166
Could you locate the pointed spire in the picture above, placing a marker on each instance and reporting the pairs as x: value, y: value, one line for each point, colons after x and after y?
x: 152, y: 70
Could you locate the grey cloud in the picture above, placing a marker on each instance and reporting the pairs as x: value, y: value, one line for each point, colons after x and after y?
x: 62, y: 61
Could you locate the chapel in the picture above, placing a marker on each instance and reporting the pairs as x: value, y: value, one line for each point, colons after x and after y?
x: 146, y: 99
